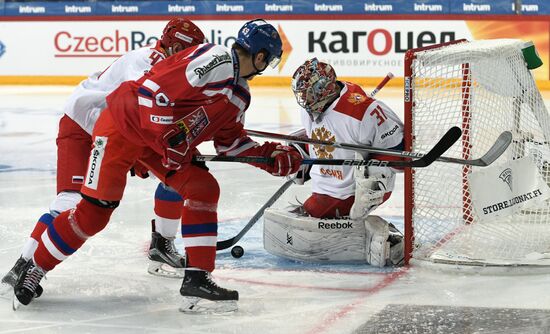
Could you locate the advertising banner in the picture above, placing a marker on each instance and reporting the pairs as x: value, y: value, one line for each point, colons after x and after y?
x: 263, y: 7
x: 356, y: 48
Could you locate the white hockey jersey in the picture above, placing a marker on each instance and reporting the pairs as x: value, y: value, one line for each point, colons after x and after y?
x: 88, y: 99
x: 352, y: 118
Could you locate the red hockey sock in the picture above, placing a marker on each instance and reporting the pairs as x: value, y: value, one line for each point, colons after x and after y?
x: 199, y: 230
x: 68, y: 233
x: 41, y: 226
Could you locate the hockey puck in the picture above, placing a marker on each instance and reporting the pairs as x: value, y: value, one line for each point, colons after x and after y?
x: 237, y: 252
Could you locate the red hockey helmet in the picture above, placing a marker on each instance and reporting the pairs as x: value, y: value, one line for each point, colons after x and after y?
x: 180, y: 34
x: 314, y: 85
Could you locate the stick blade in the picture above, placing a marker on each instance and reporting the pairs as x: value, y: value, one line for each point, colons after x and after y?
x: 498, y: 148
x: 448, y: 140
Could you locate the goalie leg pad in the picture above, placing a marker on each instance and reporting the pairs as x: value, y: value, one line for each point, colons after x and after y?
x: 377, y: 244
x: 310, y: 239
x: 296, y: 237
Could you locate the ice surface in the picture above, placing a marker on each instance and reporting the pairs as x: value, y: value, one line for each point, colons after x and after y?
x: 105, y: 288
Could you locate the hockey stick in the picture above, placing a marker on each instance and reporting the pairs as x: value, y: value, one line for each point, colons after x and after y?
x: 442, y: 145
x: 224, y: 244
x: 425, y: 160
x: 500, y: 145
x: 331, y: 162
x: 382, y: 83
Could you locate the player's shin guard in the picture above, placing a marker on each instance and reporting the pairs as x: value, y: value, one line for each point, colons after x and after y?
x: 68, y: 232
x: 199, y: 230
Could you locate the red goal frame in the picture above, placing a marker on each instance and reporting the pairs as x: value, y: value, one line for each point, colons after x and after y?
x: 410, y: 56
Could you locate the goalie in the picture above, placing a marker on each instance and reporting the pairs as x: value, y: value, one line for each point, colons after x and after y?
x: 334, y: 224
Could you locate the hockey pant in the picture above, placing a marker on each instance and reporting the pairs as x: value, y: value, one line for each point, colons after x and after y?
x: 111, y: 158
x: 324, y: 206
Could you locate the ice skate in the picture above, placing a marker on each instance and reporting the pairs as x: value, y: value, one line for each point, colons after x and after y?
x: 202, y: 295
x: 27, y: 285
x: 10, y: 278
x: 165, y: 260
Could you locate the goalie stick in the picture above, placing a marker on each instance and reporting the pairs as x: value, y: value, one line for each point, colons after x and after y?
x: 224, y: 244
x: 448, y: 139
x: 498, y: 148
x: 382, y: 83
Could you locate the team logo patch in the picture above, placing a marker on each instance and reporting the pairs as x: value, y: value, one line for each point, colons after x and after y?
x: 356, y: 98
x: 162, y: 119
x: 94, y: 166
x: 194, y: 123
x: 322, y: 151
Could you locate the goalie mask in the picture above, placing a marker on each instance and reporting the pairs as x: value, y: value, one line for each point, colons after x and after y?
x: 179, y: 34
x: 314, y: 85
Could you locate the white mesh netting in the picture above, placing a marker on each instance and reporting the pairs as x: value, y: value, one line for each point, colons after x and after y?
x: 484, y: 88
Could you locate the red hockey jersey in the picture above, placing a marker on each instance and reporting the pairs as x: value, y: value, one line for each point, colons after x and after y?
x: 198, y: 89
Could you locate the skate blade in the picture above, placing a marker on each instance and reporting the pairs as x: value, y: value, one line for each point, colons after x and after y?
x: 15, y: 303
x: 196, y: 305
x: 164, y: 270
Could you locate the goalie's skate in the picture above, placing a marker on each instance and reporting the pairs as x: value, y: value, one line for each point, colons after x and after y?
x: 202, y: 295
x: 10, y: 278
x: 27, y: 284
x: 165, y: 260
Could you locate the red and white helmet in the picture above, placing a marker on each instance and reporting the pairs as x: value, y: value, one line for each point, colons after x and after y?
x: 314, y: 85
x: 180, y: 34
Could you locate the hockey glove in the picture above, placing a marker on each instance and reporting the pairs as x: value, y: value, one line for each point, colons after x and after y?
x: 287, y: 161
x: 176, y: 147
x: 139, y: 170
x: 302, y: 176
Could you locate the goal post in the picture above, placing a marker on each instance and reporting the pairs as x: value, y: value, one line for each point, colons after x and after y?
x: 484, y: 87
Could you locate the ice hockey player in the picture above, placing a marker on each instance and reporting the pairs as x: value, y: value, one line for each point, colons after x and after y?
x: 196, y: 95
x: 334, y: 224
x: 74, y: 142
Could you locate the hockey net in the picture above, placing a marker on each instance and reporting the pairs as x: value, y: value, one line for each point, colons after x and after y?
x: 485, y: 88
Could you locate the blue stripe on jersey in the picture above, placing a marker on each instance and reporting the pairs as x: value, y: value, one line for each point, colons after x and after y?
x: 187, y: 230
x: 219, y: 84
x: 168, y: 194
x: 56, y: 239
x: 201, y: 50
x: 242, y: 93
x: 144, y: 91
